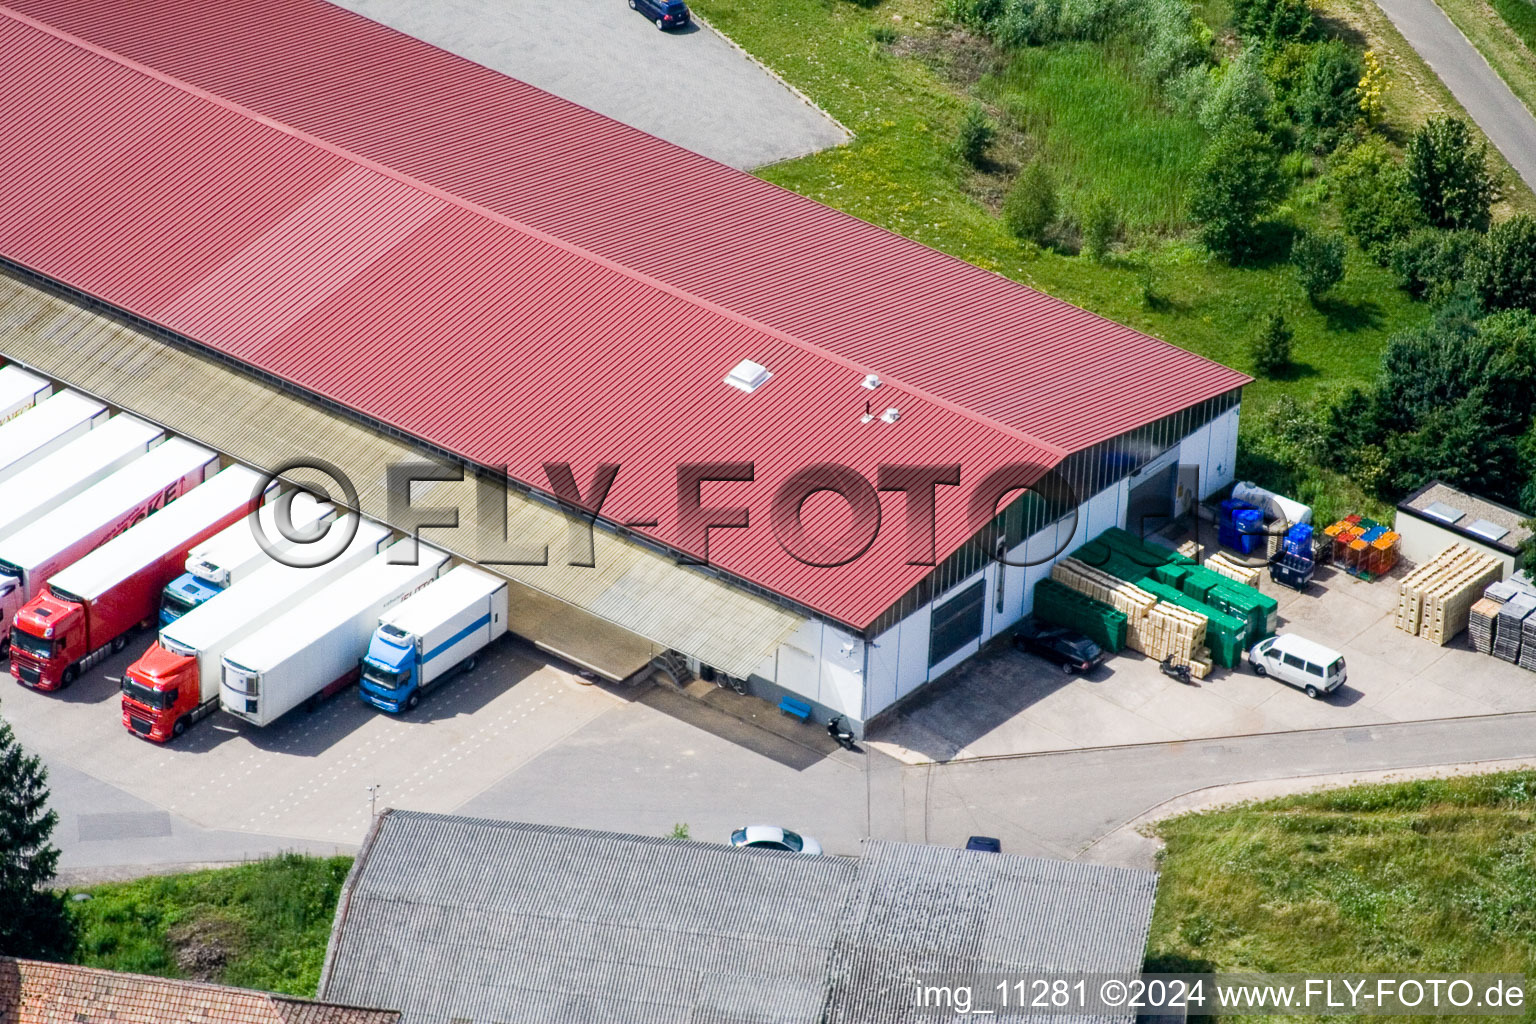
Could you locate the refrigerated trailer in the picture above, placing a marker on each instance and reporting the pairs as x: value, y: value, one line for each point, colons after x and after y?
x: 432, y: 637
x: 45, y: 428
x: 44, y: 486
x: 30, y: 556
x: 88, y: 609
x: 20, y: 390
x: 314, y: 650
x: 176, y: 682
x: 235, y: 553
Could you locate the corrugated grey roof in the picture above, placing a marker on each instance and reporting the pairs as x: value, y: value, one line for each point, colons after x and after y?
x: 448, y: 917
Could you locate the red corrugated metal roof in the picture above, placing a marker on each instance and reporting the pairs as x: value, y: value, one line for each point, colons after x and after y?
x: 520, y: 280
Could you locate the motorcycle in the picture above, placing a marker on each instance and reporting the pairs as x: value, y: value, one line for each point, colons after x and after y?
x: 1179, y: 672
x: 839, y: 731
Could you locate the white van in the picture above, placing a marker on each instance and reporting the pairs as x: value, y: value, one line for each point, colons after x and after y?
x: 1302, y: 663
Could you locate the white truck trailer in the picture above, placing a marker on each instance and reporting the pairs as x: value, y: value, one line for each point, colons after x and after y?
x: 235, y: 553
x: 176, y: 681
x: 30, y: 556
x: 44, y: 486
x: 46, y: 427
x: 20, y: 390
x: 432, y: 637
x: 315, y: 649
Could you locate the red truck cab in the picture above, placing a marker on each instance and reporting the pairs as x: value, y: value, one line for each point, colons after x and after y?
x: 47, y: 638
x: 160, y: 694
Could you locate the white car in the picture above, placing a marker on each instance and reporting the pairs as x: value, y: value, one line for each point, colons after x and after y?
x: 771, y: 837
x: 1305, y: 665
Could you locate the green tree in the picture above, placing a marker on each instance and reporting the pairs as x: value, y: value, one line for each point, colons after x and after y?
x: 1240, y: 94
x: 1449, y: 174
x: 1326, y: 102
x: 1236, y: 185
x: 1271, y: 347
x: 977, y: 133
x: 1273, y: 21
x: 1031, y: 206
x: 1431, y: 263
x: 1375, y: 204
x: 1319, y: 262
x: 33, y: 919
x: 1504, y: 270
x: 1101, y: 223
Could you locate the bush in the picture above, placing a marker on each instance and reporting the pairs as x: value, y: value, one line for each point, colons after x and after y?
x: 1240, y: 94
x: 1031, y: 206
x: 1273, y: 21
x: 1271, y: 347
x: 1319, y: 262
x: 1326, y: 101
x: 1449, y: 175
x: 1431, y: 263
x: 1101, y: 223
x: 1237, y: 184
x: 1503, y: 271
x: 977, y: 133
x: 1375, y: 204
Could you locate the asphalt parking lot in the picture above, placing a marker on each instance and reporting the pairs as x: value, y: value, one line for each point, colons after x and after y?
x: 1007, y: 702
x: 690, y: 87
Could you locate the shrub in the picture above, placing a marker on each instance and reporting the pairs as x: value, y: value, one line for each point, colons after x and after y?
x: 1237, y: 184
x: 977, y: 133
x: 1273, y: 21
x: 1240, y: 94
x: 1319, y: 262
x: 1271, y: 347
x: 1031, y: 206
x: 1430, y: 263
x: 1375, y: 204
x: 1326, y: 101
x: 1449, y: 175
x: 1503, y: 271
x: 1371, y: 88
x: 1101, y: 223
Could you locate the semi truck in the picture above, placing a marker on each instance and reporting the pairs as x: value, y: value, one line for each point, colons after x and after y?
x: 46, y: 427
x: 432, y: 637
x: 176, y: 682
x: 88, y: 609
x: 315, y: 649
x: 235, y: 553
x: 20, y: 390
x: 44, y: 486
x: 30, y: 556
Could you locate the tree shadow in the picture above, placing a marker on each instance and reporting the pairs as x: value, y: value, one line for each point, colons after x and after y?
x: 1343, y: 315
x: 1271, y: 245
x: 1293, y: 371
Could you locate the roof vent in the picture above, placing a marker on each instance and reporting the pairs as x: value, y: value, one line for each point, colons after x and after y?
x: 891, y: 415
x: 1443, y: 512
x: 1488, y: 531
x: 748, y: 376
x: 871, y: 381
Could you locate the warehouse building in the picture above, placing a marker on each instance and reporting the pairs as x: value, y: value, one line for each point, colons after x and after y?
x: 460, y: 919
x: 355, y: 243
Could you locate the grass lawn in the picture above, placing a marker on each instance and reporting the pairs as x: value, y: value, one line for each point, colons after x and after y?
x: 1436, y: 875
x: 1493, y: 26
x: 262, y: 925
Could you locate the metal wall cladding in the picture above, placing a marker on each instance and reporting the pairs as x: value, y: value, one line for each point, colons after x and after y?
x: 519, y: 280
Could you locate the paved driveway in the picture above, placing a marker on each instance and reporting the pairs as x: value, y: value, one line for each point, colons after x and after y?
x: 692, y: 87
x: 1476, y: 86
x: 1006, y: 702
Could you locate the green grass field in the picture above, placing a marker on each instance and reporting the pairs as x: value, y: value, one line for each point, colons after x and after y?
x: 1409, y: 877
x: 1519, y: 15
x: 262, y: 925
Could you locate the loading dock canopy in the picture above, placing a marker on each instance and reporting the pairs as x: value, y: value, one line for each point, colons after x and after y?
x: 640, y: 591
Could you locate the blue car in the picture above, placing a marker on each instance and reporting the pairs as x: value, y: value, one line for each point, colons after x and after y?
x: 665, y: 13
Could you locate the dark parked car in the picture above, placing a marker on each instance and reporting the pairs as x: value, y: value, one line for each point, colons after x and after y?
x: 665, y: 13
x: 984, y: 844
x: 1072, y: 651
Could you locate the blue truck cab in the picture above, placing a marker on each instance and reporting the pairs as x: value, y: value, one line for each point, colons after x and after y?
x: 391, y: 670
x: 183, y: 594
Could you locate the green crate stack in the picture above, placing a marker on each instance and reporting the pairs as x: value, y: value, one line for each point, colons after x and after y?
x: 1107, y: 559
x: 1224, y: 634
x: 1058, y: 603
x: 1197, y: 585
x: 1172, y: 575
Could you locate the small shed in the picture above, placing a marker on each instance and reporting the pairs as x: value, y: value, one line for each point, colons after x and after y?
x: 1438, y: 515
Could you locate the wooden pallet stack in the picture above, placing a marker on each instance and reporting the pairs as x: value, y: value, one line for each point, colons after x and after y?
x: 1507, y: 633
x: 1435, y: 600
x: 1528, y: 643
x: 1155, y: 628
x: 1481, y: 623
x: 1232, y: 570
